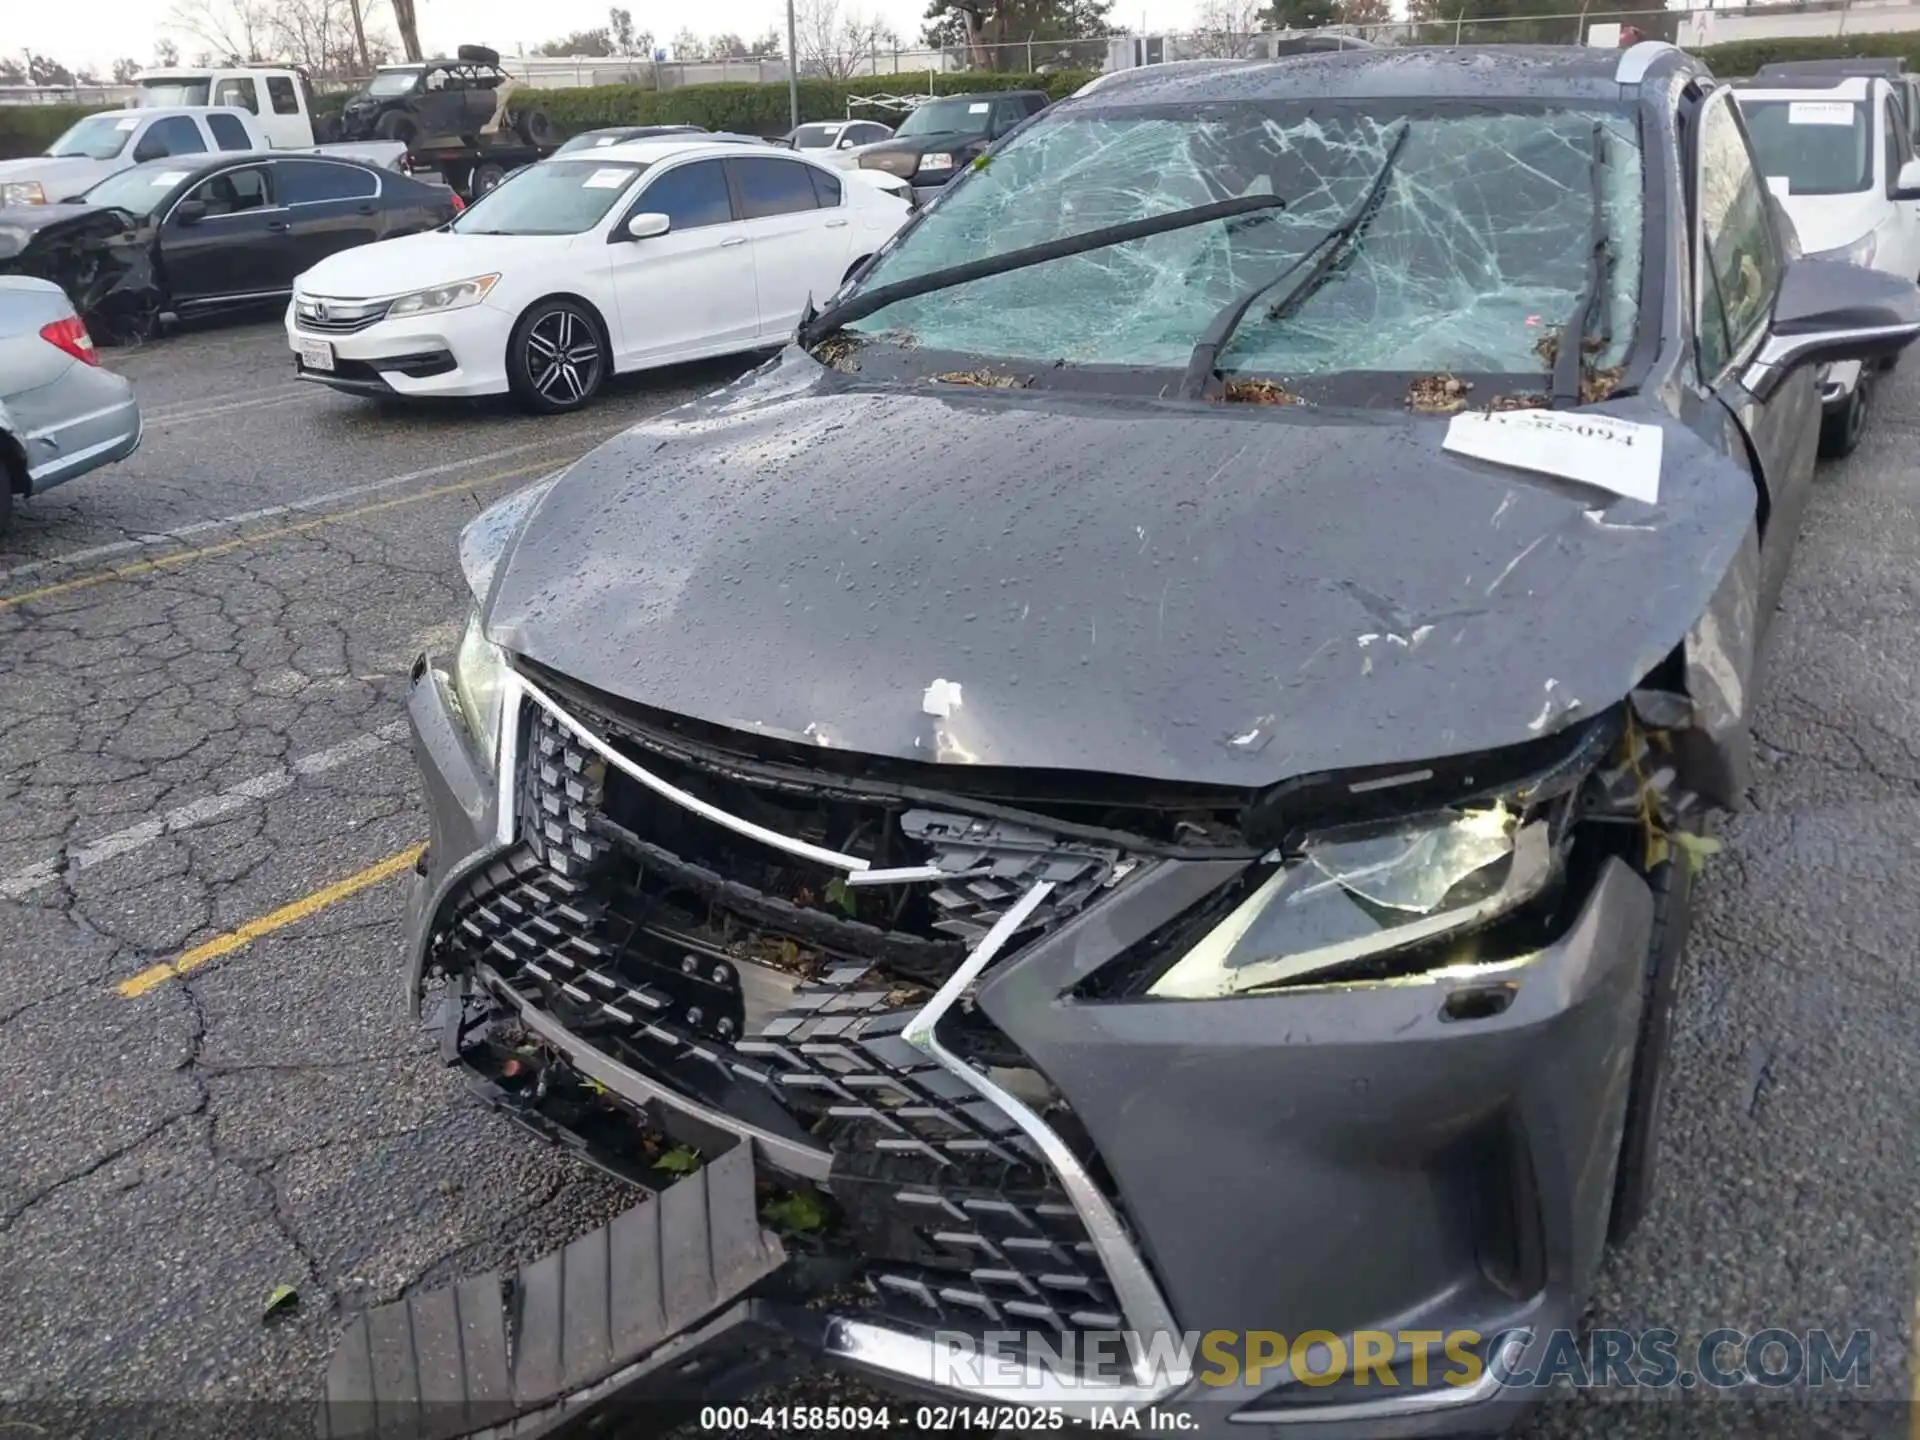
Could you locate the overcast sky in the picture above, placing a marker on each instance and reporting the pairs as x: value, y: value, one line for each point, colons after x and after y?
x: 93, y: 33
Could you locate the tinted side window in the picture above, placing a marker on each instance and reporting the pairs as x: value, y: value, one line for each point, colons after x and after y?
x: 240, y: 91
x: 228, y: 132
x: 302, y: 182
x: 232, y: 192
x: 280, y: 91
x: 1743, y: 265
x: 826, y: 188
x: 773, y: 187
x: 1899, y: 148
x: 689, y: 195
x: 175, y: 135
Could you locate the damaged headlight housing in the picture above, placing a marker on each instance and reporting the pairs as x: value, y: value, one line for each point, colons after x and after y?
x: 1354, y: 891
x: 479, y: 674
x: 456, y: 296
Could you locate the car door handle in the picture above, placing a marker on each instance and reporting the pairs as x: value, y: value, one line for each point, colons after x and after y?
x: 279, y: 225
x: 366, y: 209
x: 836, y: 224
x: 736, y: 240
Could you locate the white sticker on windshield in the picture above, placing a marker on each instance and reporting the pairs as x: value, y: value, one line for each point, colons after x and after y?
x: 1819, y: 112
x: 979, y: 109
x: 132, y: 122
x: 168, y: 177
x: 1622, y: 456
x: 607, y: 179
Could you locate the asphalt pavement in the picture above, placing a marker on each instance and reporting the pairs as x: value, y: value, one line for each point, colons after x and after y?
x: 208, y: 1084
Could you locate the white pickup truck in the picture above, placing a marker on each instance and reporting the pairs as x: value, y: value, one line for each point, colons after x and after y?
x: 102, y: 144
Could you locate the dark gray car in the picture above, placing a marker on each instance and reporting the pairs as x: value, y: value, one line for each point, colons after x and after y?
x: 1139, y: 780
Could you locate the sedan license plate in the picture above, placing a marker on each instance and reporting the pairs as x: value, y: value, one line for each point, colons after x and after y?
x: 316, y: 355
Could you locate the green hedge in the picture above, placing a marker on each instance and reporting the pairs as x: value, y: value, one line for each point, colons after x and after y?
x: 29, y: 129
x: 761, y: 109
x: 1743, y: 57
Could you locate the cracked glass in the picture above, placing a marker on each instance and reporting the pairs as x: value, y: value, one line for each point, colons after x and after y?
x: 1478, y: 250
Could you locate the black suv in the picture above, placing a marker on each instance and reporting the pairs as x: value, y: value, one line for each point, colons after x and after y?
x: 1189, y: 857
x: 943, y: 136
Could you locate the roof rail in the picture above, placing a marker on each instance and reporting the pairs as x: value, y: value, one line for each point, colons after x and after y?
x: 1639, y: 58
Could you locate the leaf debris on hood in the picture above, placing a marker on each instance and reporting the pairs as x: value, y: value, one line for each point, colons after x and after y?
x: 1519, y: 401
x: 837, y: 351
x: 1437, y: 394
x: 1259, y: 392
x: 1595, y: 385
x: 985, y: 379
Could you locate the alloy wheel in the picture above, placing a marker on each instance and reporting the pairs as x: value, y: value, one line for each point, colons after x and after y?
x: 563, y: 357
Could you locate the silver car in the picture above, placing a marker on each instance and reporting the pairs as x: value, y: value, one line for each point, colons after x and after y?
x: 61, y: 413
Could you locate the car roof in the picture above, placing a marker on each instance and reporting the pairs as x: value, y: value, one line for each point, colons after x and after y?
x: 653, y: 149
x: 1887, y: 65
x: 1547, y: 72
x: 1838, y: 87
x: 984, y: 95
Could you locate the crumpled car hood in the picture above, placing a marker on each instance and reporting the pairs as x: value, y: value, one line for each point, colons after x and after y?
x: 1223, y: 595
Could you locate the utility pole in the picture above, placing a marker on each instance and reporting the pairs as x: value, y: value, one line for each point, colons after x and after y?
x: 360, y: 37
x: 793, y: 70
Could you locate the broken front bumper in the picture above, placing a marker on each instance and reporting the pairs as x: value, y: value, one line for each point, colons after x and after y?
x: 1418, y: 1155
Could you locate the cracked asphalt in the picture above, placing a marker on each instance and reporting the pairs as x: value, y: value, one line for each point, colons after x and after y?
x: 197, y: 729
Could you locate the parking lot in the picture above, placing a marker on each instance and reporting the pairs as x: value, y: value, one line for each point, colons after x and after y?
x: 202, y: 765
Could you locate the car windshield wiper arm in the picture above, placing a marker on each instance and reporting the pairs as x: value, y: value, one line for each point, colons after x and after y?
x: 857, y: 307
x: 1569, y: 356
x: 1324, y: 252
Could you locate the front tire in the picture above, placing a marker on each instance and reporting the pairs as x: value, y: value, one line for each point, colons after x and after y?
x: 557, y: 358
x: 1840, y: 432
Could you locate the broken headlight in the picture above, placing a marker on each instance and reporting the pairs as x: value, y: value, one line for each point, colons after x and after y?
x: 479, y: 673
x: 1354, y: 891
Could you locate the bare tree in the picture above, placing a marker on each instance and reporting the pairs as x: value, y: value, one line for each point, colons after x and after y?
x: 768, y: 42
x: 688, y: 46
x: 408, y: 24
x: 124, y: 70
x: 238, y: 32
x: 319, y: 36
x: 837, y: 44
x: 166, y: 53
x: 1223, y: 28
x: 1364, y: 14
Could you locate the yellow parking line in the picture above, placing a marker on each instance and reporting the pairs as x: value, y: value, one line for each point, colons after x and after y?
x: 279, y: 919
x: 205, y: 552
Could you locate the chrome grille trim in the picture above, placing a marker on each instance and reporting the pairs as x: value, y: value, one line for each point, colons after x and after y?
x: 1145, y: 1309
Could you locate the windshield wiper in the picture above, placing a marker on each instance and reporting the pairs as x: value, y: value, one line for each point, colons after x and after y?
x: 1325, y: 251
x: 1569, y: 356
x: 814, y: 328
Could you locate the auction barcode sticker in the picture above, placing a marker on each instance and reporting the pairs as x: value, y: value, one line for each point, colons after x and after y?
x: 1819, y: 112
x: 1622, y: 456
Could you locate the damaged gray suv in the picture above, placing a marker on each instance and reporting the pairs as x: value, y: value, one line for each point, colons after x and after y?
x: 1137, y: 781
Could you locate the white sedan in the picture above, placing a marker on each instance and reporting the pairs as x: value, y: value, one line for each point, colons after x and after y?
x: 641, y: 254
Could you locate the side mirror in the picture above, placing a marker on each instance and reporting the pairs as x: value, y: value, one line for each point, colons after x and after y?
x: 1830, y: 310
x: 190, y: 212
x: 846, y: 144
x: 148, y: 150
x: 1906, y: 185
x: 647, y: 224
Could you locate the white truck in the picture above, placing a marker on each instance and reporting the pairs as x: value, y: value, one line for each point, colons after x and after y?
x: 105, y: 143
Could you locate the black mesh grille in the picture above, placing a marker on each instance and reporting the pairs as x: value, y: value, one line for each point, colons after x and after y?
x: 790, y: 1017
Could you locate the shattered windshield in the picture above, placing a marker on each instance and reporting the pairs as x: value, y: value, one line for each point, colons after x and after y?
x: 1479, y: 249
x: 1819, y: 147
x: 939, y: 117
x: 98, y: 137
